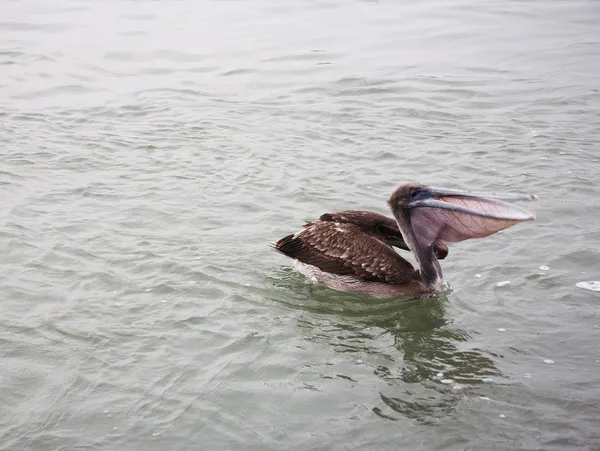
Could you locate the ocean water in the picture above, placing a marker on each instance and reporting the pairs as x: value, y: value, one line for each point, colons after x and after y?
x: 151, y: 150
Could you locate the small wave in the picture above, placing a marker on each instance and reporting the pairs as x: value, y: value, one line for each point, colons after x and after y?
x: 592, y: 285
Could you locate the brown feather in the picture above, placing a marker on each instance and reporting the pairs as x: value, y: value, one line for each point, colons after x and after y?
x: 344, y: 248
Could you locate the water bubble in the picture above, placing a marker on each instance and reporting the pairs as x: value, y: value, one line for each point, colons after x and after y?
x: 359, y: 361
x: 501, y: 329
x: 527, y: 376
x: 592, y: 285
x: 544, y: 268
x: 549, y: 361
x: 192, y: 282
x: 484, y: 398
x: 478, y: 276
x: 457, y: 387
x: 501, y: 416
x: 148, y: 289
x: 503, y: 283
x: 447, y: 381
x: 440, y: 375
x: 487, y: 379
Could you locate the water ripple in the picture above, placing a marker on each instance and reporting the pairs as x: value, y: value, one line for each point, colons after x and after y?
x: 151, y: 153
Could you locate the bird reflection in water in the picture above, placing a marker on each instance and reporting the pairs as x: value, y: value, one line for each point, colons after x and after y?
x: 422, y: 358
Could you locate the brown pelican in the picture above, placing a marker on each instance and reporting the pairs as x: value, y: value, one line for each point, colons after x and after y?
x: 352, y: 251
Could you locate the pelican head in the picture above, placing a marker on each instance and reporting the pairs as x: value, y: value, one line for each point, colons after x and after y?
x: 430, y: 217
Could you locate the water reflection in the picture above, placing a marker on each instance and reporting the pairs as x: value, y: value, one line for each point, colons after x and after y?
x: 423, y: 361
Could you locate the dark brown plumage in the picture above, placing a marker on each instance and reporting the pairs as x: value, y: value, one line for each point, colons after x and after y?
x: 350, y: 243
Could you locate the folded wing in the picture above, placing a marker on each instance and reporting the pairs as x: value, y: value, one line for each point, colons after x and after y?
x: 345, y: 249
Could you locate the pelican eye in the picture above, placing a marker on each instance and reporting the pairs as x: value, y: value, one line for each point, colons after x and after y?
x: 412, y: 193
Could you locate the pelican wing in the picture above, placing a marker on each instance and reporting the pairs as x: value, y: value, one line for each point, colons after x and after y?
x: 345, y: 249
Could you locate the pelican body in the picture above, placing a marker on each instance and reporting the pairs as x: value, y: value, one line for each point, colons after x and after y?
x: 353, y: 251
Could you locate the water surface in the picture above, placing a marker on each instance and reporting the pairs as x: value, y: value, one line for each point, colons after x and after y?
x: 152, y: 149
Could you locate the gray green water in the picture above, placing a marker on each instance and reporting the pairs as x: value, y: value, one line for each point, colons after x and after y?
x: 150, y: 150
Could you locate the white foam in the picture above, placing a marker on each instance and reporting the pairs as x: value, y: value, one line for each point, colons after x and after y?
x: 544, y: 268
x: 549, y: 361
x: 501, y: 329
x: 503, y: 283
x: 447, y: 381
x: 592, y: 285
